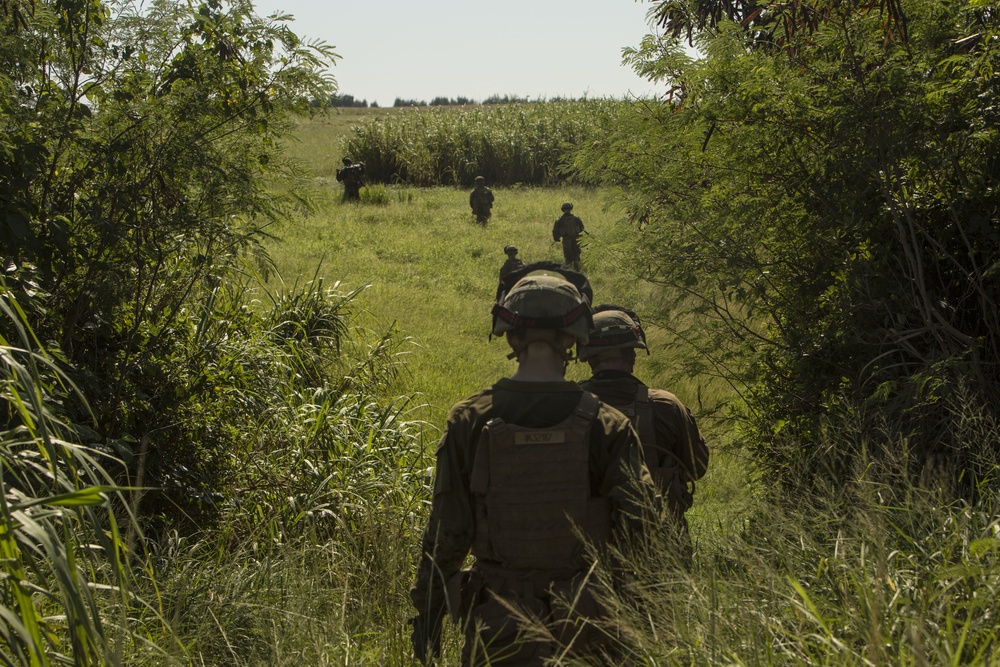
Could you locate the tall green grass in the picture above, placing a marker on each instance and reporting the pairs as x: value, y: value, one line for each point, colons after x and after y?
x: 62, y: 556
x: 880, y: 571
x: 321, y: 502
x: 529, y: 144
x: 312, y: 549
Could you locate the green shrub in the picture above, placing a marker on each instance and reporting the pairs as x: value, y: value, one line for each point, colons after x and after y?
x: 377, y: 195
x: 817, y: 196
x: 141, y: 166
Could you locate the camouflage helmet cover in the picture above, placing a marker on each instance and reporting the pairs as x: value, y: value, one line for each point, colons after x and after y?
x: 613, y: 329
x: 510, y: 249
x: 567, y: 206
x: 544, y: 300
x: 347, y: 161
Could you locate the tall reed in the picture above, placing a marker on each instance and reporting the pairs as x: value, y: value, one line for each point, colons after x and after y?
x: 529, y: 144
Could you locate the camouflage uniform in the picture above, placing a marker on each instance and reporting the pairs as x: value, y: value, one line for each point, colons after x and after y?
x: 511, y: 265
x: 481, y: 201
x: 520, y: 468
x: 673, y: 447
x: 456, y: 514
x: 352, y: 176
x: 678, y: 454
x: 568, y: 229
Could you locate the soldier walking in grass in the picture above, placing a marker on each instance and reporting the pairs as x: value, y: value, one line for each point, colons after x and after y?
x: 673, y: 448
x: 352, y: 176
x: 513, y: 262
x: 568, y: 229
x: 522, y: 468
x: 481, y: 201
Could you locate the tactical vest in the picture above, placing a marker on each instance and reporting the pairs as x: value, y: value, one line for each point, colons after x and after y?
x: 669, y: 473
x: 532, y: 493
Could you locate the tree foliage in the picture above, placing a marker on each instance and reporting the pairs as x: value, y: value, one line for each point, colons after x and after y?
x: 824, y: 210
x: 140, y: 168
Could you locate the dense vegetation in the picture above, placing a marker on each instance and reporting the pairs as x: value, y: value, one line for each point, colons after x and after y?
x: 150, y: 389
x: 818, y: 196
x: 529, y: 144
x: 203, y: 464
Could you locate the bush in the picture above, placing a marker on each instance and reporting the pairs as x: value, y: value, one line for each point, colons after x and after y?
x: 815, y: 194
x: 146, y: 167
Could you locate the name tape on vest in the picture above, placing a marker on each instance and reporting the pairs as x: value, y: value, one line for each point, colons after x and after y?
x: 543, y: 438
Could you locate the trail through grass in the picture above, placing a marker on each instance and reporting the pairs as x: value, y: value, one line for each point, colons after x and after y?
x: 433, y: 273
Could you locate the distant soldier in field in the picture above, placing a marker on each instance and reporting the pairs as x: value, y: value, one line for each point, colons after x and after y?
x: 481, y: 201
x: 352, y: 176
x: 513, y: 262
x: 568, y: 229
x: 673, y: 448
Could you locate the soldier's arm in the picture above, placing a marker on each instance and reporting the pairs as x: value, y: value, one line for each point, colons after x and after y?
x: 621, y: 474
x: 450, y: 529
x: 677, y: 432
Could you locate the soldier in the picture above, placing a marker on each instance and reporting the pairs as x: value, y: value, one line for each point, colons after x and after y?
x: 352, y: 176
x: 513, y: 262
x: 521, y: 468
x: 481, y: 201
x: 568, y: 229
x: 673, y: 447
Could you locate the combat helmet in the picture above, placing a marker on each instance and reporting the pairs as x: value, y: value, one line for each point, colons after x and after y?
x: 480, y: 179
x: 567, y: 206
x: 614, y: 328
x: 510, y: 249
x: 546, y: 301
x: 347, y: 162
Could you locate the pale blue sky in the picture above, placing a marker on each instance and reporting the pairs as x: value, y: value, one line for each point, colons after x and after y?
x: 430, y: 48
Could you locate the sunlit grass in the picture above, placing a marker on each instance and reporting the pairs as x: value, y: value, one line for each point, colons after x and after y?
x: 316, y: 554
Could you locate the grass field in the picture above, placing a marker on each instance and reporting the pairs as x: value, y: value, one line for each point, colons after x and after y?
x: 875, y: 572
x: 431, y: 273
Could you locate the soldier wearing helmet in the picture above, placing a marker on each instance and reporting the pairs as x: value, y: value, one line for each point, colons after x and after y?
x: 513, y: 262
x: 523, y: 467
x: 352, y: 176
x: 568, y: 229
x: 673, y: 448
x: 481, y: 201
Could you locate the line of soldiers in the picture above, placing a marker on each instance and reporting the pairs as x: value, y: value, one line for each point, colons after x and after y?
x: 529, y: 465
x: 568, y: 228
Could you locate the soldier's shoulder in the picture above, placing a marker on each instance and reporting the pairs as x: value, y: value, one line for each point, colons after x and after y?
x: 664, y: 397
x: 668, y: 406
x: 472, y: 406
x: 610, y: 417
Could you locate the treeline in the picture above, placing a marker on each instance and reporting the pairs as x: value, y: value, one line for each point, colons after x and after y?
x: 349, y: 101
x: 531, y: 144
x: 339, y: 100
